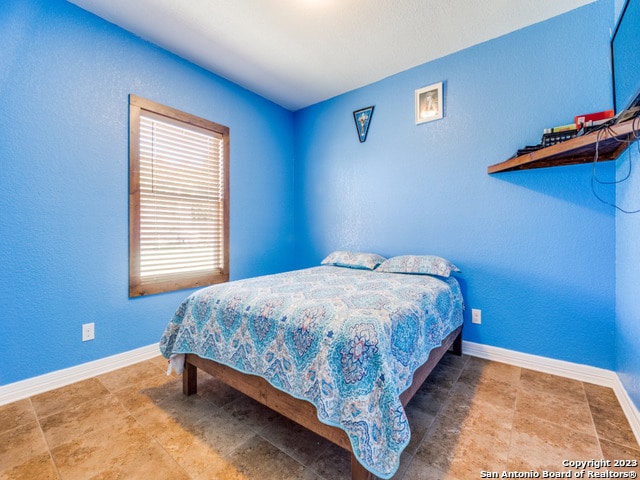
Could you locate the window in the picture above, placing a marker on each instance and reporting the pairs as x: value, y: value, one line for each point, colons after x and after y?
x: 178, y: 199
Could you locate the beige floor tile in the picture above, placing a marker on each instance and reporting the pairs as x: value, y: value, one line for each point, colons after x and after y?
x: 296, y: 441
x: 600, y: 398
x: 156, y: 389
x: 251, y: 413
x: 16, y: 414
x: 484, y: 439
x: 110, y: 452
x: 333, y: 464
x: 564, y: 388
x: 418, y: 470
x: 473, y: 458
x: 419, y: 422
x: 258, y: 459
x: 161, y: 362
x: 570, y: 412
x: 430, y: 400
x: 488, y: 401
x: 196, y: 433
x: 440, y: 444
x: 20, y: 445
x: 614, y: 451
x: 455, y: 361
x: 495, y: 394
x: 472, y: 415
x: 38, y: 467
x: 204, y: 463
x: 488, y: 420
x: 92, y: 416
x: 537, y: 444
x: 151, y: 462
x: 198, y: 457
x: 477, y: 370
x: 215, y: 391
x: 443, y: 375
x: 608, y: 417
x: 615, y: 428
x: 137, y: 375
x: 67, y: 397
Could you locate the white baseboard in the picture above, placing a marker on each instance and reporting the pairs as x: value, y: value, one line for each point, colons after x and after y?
x: 629, y: 409
x: 43, y: 383
x: 575, y: 371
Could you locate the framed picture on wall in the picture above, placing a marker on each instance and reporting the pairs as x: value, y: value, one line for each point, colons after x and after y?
x: 429, y: 104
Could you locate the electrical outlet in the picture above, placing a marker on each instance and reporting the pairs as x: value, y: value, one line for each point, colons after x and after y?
x: 476, y: 316
x: 88, y: 332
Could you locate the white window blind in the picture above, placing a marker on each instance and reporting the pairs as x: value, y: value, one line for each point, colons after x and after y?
x: 180, y: 209
x: 181, y: 199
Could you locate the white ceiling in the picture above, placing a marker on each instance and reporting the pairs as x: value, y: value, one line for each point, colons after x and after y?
x: 300, y: 52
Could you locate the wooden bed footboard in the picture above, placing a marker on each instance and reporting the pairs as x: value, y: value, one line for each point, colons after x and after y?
x: 301, y: 411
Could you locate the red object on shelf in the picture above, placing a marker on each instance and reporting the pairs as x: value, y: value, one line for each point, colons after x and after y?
x: 588, y: 119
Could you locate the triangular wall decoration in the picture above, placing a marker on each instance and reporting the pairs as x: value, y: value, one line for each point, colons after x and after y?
x: 362, y: 118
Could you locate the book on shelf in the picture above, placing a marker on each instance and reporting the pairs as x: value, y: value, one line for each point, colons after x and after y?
x: 562, y: 128
x: 589, y: 119
x: 582, y: 124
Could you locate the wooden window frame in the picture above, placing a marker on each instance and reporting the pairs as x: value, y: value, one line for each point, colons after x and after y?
x: 166, y: 283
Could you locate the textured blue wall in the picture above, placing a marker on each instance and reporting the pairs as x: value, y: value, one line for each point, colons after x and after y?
x: 628, y: 275
x: 627, y: 234
x: 536, y: 248
x: 65, y: 77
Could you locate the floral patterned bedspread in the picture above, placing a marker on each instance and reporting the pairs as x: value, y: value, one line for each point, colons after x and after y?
x: 346, y: 340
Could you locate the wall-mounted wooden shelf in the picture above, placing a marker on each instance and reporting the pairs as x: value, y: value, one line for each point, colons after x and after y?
x: 610, y: 143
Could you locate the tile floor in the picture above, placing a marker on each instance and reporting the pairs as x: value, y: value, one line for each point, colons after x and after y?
x: 471, y: 416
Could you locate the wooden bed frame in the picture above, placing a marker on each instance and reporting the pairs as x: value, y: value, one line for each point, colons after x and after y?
x: 301, y: 411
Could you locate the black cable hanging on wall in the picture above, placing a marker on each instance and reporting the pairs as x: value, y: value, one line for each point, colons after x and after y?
x: 633, y: 137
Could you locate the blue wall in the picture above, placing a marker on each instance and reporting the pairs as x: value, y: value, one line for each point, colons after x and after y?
x: 536, y: 248
x: 628, y: 275
x: 627, y: 234
x: 65, y: 77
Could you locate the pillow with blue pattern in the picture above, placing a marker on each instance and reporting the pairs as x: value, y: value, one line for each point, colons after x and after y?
x: 418, y: 264
x: 361, y: 260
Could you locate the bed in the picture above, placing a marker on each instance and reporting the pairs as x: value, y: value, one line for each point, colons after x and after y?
x: 339, y: 348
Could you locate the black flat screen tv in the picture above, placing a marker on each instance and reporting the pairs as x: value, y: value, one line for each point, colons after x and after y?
x: 625, y: 56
